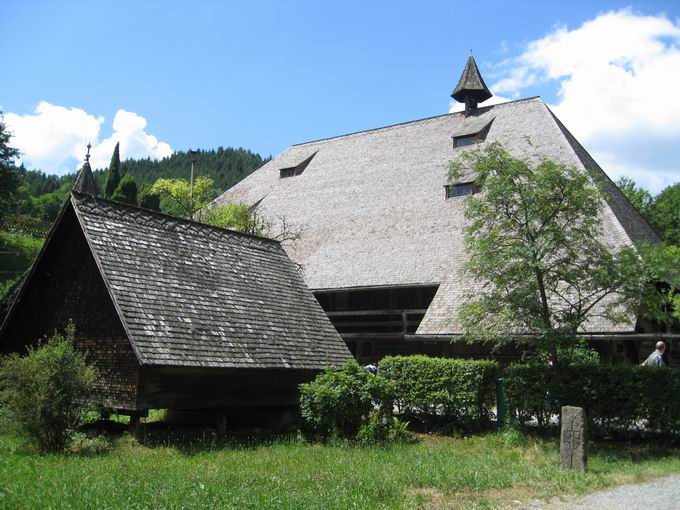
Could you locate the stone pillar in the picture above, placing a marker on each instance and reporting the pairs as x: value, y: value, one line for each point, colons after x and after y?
x: 573, y: 439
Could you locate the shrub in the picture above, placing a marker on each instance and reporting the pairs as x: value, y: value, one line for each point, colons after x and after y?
x: 45, y: 391
x: 614, y: 397
x: 82, y: 444
x: 339, y: 402
x: 436, y: 390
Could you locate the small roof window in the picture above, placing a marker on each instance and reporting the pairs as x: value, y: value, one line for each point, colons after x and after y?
x: 461, y: 189
x: 293, y: 171
x: 471, y: 138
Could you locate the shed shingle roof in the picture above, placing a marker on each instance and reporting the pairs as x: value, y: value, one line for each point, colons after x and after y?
x: 194, y: 295
x: 373, y: 212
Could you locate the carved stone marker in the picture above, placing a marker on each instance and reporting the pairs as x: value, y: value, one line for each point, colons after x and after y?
x: 573, y: 439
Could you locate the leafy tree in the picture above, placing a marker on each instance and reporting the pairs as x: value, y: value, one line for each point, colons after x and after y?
x: 533, y: 236
x: 149, y: 200
x: 126, y: 191
x: 665, y: 214
x: 176, y: 197
x: 113, y: 177
x: 639, y: 197
x: 9, y: 178
x: 237, y: 217
x: 46, y: 390
x: 246, y: 219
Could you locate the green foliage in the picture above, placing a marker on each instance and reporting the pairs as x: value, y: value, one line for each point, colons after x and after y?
x: 9, y: 179
x: 149, y: 200
x: 534, y: 236
x: 341, y: 403
x: 113, y: 175
x: 226, y: 166
x: 665, y: 214
x: 17, y: 253
x: 435, y: 391
x: 46, y: 391
x: 126, y: 191
x: 640, y: 198
x: 82, y: 444
x: 177, y: 199
x: 237, y: 217
x: 615, y: 398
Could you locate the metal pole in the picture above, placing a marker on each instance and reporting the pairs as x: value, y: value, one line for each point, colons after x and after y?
x: 191, y: 184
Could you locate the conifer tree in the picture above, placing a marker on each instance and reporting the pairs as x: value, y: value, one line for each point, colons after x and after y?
x: 126, y: 191
x: 113, y: 177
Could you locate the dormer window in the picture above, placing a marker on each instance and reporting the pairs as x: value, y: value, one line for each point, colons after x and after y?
x: 471, y: 138
x: 462, y: 141
x: 288, y: 172
x: 461, y: 189
x: 292, y: 171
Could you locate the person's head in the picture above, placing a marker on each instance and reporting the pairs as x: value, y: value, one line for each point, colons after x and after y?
x: 660, y: 346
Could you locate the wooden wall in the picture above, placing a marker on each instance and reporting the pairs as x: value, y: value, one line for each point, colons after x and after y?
x: 67, y: 285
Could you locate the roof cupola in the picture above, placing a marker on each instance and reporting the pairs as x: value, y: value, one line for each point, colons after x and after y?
x: 85, y: 180
x: 471, y: 88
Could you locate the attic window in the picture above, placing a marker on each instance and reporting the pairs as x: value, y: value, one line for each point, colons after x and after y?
x: 471, y: 138
x: 462, y: 141
x: 287, y: 172
x: 461, y: 189
x: 293, y: 171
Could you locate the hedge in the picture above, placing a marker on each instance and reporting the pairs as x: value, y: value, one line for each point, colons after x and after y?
x: 442, y: 390
x: 616, y: 398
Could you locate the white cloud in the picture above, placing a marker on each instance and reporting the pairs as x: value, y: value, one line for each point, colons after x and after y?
x: 455, y: 106
x: 54, y: 138
x: 617, y: 78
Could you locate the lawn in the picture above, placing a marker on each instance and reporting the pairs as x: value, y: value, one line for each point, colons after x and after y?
x: 436, y: 472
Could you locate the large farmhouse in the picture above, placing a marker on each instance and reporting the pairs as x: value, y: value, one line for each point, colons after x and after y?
x: 382, y: 228
x: 172, y: 313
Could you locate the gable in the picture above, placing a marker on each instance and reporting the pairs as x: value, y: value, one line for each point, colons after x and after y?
x: 64, y: 284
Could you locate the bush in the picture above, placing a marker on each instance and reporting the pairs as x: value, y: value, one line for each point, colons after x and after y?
x: 45, y: 391
x: 616, y: 398
x: 338, y: 403
x: 82, y: 444
x: 441, y: 390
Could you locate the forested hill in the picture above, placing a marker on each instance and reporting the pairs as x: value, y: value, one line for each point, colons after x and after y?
x: 225, y: 166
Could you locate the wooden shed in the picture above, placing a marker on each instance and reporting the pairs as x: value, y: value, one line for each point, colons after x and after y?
x: 173, y: 313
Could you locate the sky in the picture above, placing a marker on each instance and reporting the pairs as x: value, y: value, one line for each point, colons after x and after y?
x: 165, y: 76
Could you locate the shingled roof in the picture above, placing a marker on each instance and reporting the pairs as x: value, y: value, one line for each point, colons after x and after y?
x: 190, y: 294
x: 373, y: 210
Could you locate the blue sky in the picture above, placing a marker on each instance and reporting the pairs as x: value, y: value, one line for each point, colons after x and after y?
x: 265, y: 75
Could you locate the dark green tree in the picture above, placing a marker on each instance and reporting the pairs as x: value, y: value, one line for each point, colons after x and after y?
x: 9, y: 177
x: 665, y: 214
x: 148, y: 200
x: 113, y: 177
x: 126, y: 191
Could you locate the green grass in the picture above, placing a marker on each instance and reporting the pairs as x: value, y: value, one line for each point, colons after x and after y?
x: 477, y: 472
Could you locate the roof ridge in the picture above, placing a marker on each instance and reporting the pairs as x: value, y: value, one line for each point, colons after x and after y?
x: 484, y: 108
x: 84, y: 196
x: 572, y: 141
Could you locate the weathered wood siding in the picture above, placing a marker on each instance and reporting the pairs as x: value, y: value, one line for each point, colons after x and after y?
x: 71, y: 288
x: 211, y: 388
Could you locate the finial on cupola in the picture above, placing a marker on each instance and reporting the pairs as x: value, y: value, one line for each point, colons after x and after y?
x: 471, y: 88
x: 85, y: 180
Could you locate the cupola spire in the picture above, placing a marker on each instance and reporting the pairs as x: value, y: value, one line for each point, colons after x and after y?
x: 85, y: 180
x: 471, y: 88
